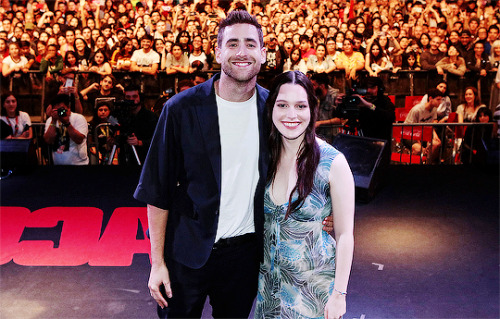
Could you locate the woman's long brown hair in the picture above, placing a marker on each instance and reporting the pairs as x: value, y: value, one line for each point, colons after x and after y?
x: 308, y: 154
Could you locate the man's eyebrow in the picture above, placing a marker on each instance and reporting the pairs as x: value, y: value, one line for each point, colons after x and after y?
x: 246, y: 40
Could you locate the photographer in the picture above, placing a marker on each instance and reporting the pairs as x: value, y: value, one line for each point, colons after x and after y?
x: 137, y: 124
x: 374, y: 112
x: 67, y: 133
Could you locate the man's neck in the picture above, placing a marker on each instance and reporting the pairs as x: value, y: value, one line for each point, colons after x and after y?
x: 233, y: 91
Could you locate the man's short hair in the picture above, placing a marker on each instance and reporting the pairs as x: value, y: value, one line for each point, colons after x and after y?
x: 113, y: 79
x: 321, y: 79
x: 147, y: 37
x: 132, y: 87
x: 304, y: 38
x: 239, y: 17
x: 433, y: 93
x: 62, y: 98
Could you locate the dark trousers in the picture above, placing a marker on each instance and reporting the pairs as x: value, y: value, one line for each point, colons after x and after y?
x: 229, y: 278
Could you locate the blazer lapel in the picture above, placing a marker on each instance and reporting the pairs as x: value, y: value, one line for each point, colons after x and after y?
x: 208, y: 119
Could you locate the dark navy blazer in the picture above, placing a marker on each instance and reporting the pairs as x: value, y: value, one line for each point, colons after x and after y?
x: 182, y: 172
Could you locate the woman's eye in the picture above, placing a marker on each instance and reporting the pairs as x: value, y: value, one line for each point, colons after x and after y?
x: 281, y: 105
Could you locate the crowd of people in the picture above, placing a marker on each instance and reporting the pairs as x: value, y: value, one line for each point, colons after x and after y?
x: 95, y: 40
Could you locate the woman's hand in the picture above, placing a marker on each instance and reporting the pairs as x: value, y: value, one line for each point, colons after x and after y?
x: 335, y: 307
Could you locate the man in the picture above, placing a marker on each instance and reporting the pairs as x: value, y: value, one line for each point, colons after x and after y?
x: 327, y: 115
x: 106, y: 88
x: 274, y: 55
x: 139, y: 127
x: 305, y: 47
x: 145, y: 60
x: 427, y: 113
x: 208, y: 162
x: 429, y: 58
x: 465, y: 43
x: 492, y: 37
x: 205, y: 173
x: 66, y: 132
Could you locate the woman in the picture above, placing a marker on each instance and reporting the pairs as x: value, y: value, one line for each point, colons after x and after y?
x: 184, y: 40
x: 15, y: 62
x: 477, y: 139
x: 295, y: 62
x: 197, y: 55
x: 101, y: 45
x: 302, y: 275
x: 70, y: 66
x: 121, y: 57
x: 83, y: 53
x: 467, y: 111
x: 19, y: 121
x: 376, y: 61
x: 424, y: 42
x: 453, y: 63
x: 410, y: 61
x: 318, y: 63
x: 350, y: 61
x: 100, y: 64
x: 495, y: 55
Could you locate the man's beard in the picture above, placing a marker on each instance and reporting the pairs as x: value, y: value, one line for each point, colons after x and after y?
x: 232, y: 72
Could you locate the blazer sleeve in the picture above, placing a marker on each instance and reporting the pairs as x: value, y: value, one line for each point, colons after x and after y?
x: 159, y: 173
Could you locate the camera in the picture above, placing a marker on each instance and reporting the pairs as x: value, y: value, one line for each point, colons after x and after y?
x: 62, y: 112
x: 349, y: 108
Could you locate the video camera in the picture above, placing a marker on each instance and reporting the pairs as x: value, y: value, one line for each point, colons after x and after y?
x: 349, y: 108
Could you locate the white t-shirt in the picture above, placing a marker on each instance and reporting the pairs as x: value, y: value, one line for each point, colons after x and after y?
x: 239, y: 134
x: 419, y: 114
x: 68, y: 152
x: 18, y: 123
x: 22, y: 62
x: 145, y: 59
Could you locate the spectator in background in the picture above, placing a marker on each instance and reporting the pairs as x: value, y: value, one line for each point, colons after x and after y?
x: 465, y: 43
x: 106, y: 88
x: 198, y: 55
x: 409, y: 61
x: 66, y: 133
x: 177, y: 61
x: 318, y: 63
x: 477, y: 140
x: 83, y: 53
x: 104, y: 136
x: 376, y: 60
x: 18, y: 121
x: 453, y: 63
x: 139, y: 128
x: 428, y: 59
x: 349, y: 61
x: 478, y: 62
x: 295, y: 62
x: 15, y: 62
x: 100, y: 64
x: 495, y: 55
x: 424, y: 42
x: 327, y: 112
x: 121, y: 57
x: 467, y: 111
x: 305, y: 47
x: 426, y: 113
x: 145, y: 60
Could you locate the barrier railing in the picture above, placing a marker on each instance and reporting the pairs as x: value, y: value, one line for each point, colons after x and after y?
x: 34, y: 91
x: 456, y: 144
x: 441, y: 143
